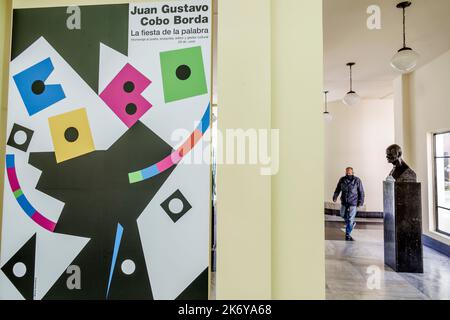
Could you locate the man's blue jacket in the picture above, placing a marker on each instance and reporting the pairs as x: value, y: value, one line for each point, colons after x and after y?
x: 352, y: 191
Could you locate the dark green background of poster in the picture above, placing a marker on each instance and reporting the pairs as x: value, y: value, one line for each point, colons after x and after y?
x: 80, y: 48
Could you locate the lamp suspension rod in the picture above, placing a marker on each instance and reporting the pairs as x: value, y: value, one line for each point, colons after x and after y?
x: 403, y: 5
x: 404, y: 27
x: 351, y: 78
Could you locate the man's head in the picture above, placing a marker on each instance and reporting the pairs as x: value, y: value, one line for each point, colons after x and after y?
x: 349, y: 171
x: 394, y: 153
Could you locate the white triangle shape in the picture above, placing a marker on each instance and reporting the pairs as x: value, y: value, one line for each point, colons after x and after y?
x: 110, y: 64
x: 54, y: 253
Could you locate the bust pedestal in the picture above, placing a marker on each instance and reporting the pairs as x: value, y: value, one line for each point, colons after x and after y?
x: 403, y: 226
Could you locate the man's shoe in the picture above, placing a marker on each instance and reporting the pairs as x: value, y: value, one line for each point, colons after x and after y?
x: 349, y: 238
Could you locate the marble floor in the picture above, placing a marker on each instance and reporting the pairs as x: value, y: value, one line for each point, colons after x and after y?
x: 356, y: 271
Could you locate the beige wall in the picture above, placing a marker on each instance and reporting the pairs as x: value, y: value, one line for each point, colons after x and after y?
x: 54, y: 3
x: 270, y: 230
x: 5, y: 40
x: 358, y: 137
x: 244, y: 196
x: 430, y: 113
x: 298, y: 262
x: 402, y: 115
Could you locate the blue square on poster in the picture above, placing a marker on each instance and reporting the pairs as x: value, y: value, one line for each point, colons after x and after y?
x: 37, y: 95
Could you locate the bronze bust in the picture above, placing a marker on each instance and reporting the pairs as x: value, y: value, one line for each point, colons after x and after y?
x: 401, y: 171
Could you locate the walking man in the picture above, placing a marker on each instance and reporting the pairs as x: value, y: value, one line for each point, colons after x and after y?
x: 352, y: 197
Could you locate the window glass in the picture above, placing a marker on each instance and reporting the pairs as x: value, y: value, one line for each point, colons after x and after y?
x: 442, y: 147
x: 442, y: 181
x: 444, y: 221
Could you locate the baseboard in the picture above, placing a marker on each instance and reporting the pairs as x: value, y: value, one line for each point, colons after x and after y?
x: 426, y: 240
x: 359, y: 214
x: 436, y: 245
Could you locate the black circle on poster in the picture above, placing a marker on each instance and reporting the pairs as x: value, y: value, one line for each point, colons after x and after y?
x: 38, y: 87
x: 183, y: 72
x: 128, y: 87
x: 71, y: 134
x: 131, y: 109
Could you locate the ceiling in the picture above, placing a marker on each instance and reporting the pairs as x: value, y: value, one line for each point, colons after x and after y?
x: 347, y: 38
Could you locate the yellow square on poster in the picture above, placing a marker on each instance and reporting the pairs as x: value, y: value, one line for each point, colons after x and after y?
x: 71, y: 135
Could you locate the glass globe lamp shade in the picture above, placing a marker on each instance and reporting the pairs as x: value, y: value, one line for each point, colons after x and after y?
x: 405, y: 60
x: 351, y: 99
x: 327, y: 117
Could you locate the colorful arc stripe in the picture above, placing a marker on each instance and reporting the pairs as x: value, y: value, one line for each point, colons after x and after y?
x: 176, y: 156
x: 21, y: 198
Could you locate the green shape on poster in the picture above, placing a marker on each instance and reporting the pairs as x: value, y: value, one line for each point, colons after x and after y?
x: 135, y: 177
x: 183, y: 74
x: 18, y: 193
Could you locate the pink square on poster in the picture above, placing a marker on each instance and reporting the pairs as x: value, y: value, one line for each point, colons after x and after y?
x: 124, y: 95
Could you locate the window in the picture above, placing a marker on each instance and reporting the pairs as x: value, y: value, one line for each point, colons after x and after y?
x: 442, y: 181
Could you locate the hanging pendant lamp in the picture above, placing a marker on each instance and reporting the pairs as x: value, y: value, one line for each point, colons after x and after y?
x: 351, y: 98
x: 406, y: 59
x: 326, y: 115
